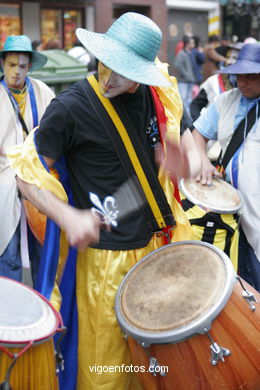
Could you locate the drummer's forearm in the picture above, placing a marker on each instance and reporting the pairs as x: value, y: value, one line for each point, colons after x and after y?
x: 201, y: 144
x: 46, y: 202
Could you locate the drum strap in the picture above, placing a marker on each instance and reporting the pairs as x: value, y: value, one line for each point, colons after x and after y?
x: 134, y: 160
x: 211, y: 222
x: 238, y: 137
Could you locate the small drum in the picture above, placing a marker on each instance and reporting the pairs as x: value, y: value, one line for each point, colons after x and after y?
x: 27, y: 325
x: 190, y: 323
x: 213, y: 212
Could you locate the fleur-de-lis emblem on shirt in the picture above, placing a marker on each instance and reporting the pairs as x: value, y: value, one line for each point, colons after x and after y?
x: 108, y: 210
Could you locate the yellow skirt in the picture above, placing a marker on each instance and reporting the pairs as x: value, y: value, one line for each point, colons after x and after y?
x: 102, y: 347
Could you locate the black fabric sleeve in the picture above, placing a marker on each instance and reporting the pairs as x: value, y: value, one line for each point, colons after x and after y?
x: 200, y: 101
x: 186, y: 122
x: 56, y: 130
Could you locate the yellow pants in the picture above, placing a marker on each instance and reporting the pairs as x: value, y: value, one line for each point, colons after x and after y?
x: 101, y: 342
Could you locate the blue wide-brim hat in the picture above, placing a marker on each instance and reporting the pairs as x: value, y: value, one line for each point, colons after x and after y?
x: 21, y: 43
x: 247, y: 62
x: 129, y: 48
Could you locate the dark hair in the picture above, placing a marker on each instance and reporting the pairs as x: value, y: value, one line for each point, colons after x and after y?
x: 196, y: 40
x: 186, y: 39
x: 29, y: 54
x: 36, y: 43
x: 213, y: 38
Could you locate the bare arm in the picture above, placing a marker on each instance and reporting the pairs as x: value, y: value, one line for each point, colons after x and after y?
x: 191, y: 154
x: 182, y: 160
x: 81, y: 226
x: 207, y: 170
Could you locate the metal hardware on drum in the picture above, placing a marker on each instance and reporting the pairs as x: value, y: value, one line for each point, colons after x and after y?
x: 166, y: 234
x: 5, y: 385
x: 249, y: 297
x: 58, y: 354
x: 154, y: 366
x: 217, y: 352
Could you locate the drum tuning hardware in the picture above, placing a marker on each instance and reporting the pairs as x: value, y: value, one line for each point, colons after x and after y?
x: 58, y: 354
x: 249, y: 297
x: 154, y: 366
x: 5, y: 385
x: 217, y: 352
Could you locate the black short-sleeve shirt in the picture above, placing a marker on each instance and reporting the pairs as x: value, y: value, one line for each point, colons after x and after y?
x: 70, y: 127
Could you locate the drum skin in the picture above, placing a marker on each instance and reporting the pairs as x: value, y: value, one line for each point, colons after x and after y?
x: 189, y: 366
x: 34, y: 370
x: 36, y: 221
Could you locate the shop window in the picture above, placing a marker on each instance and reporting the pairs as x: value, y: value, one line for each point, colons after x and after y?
x: 10, y: 23
x: 58, y: 27
x: 72, y: 20
x: 51, y: 27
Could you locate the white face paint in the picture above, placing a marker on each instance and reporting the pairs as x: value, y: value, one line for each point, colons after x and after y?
x: 112, y: 84
x: 15, y: 67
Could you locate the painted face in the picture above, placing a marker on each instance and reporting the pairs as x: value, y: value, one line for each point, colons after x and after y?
x: 15, y: 67
x: 112, y: 84
x: 232, y: 56
x: 249, y: 85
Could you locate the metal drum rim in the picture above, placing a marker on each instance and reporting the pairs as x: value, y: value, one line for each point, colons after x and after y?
x: 205, y: 206
x: 195, y: 327
x: 49, y: 308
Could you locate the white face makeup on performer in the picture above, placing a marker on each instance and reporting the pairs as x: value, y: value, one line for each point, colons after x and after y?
x: 112, y: 84
x: 15, y: 67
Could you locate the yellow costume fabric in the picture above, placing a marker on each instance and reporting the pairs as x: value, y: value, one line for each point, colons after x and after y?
x: 99, y: 273
x: 221, y: 234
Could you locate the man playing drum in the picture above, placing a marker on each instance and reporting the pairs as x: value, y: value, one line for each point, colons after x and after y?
x: 237, y: 112
x: 83, y: 125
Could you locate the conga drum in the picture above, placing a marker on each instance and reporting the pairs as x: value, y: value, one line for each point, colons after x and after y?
x: 27, y: 325
x: 190, y: 323
x: 214, y: 213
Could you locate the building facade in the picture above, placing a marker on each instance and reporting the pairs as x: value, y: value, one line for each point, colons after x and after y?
x: 57, y: 20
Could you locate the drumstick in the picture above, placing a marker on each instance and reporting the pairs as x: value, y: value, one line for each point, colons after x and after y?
x: 128, y: 199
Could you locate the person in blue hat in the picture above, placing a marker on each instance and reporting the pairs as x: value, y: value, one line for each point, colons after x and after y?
x: 108, y: 127
x: 23, y: 102
x: 237, y: 112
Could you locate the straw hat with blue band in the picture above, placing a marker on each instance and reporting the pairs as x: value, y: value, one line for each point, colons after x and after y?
x: 129, y: 48
x: 21, y: 43
x: 247, y: 62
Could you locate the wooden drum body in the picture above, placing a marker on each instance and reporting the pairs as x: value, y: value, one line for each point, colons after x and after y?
x: 188, y: 325
x: 27, y: 326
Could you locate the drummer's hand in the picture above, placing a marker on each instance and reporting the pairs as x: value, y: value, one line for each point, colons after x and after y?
x: 82, y: 227
x: 176, y: 163
x: 207, y: 172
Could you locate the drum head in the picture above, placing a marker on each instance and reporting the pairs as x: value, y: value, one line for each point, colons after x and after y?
x: 220, y: 197
x: 25, y: 314
x: 174, y: 292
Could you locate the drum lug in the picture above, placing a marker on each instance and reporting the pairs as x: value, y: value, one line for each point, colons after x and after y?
x: 58, y: 354
x: 155, y: 368
x: 5, y: 385
x: 249, y: 297
x: 217, y: 352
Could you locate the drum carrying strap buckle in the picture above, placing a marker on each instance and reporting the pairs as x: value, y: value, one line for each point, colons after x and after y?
x: 217, y: 352
x: 250, y: 297
x: 166, y: 233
